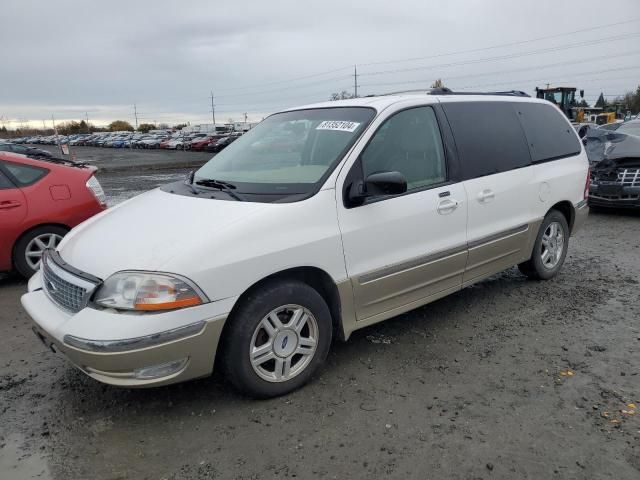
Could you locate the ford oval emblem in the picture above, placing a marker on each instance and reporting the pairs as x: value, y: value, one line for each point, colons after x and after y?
x: 284, y: 342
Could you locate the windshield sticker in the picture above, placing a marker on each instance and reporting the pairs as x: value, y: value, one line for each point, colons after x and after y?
x: 339, y: 125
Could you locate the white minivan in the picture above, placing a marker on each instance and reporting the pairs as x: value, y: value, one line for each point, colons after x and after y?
x: 321, y: 220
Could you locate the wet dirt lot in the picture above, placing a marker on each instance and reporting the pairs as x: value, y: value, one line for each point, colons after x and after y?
x: 508, y: 379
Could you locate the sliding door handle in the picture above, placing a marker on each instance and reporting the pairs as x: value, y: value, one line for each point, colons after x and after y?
x: 486, y: 195
x: 445, y: 207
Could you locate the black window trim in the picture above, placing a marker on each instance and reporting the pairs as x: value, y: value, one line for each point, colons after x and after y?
x: 354, y: 175
x: 557, y: 157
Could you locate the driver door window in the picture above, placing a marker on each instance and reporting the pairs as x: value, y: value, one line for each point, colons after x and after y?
x: 410, y: 143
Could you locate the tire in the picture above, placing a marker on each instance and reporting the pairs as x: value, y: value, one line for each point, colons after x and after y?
x: 27, y: 247
x: 549, y: 249
x: 291, y: 303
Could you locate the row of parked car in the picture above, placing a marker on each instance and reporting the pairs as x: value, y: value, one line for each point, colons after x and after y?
x: 197, y: 141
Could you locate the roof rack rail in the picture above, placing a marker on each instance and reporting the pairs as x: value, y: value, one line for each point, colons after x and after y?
x: 448, y: 91
x: 507, y: 93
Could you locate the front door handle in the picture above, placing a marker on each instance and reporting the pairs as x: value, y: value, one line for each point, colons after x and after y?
x: 486, y: 195
x: 446, y: 206
x: 9, y: 204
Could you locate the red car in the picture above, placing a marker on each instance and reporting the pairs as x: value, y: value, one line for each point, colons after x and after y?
x: 40, y: 201
x: 198, y: 144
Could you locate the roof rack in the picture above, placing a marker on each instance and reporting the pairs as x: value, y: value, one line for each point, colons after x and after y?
x: 448, y: 91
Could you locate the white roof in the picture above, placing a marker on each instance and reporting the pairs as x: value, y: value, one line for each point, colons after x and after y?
x: 383, y: 101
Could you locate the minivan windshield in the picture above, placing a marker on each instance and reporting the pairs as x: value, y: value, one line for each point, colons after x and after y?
x: 288, y: 153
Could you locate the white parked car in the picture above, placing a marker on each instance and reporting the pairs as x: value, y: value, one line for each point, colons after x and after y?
x: 176, y: 143
x: 260, y: 259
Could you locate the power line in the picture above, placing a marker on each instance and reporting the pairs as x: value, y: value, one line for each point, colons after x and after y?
x: 517, y: 70
x: 501, y: 57
x: 287, y: 88
x: 460, y: 63
x: 556, y: 81
x: 503, y: 45
x: 458, y: 52
x: 304, y: 77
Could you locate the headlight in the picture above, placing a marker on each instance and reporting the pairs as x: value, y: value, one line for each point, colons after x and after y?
x: 148, y: 292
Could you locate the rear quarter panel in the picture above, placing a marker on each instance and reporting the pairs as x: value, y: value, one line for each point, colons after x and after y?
x: 47, y: 206
x: 560, y: 180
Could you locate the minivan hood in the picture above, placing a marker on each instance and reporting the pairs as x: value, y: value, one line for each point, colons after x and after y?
x: 153, y: 228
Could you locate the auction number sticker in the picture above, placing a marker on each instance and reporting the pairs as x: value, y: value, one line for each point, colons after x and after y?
x: 339, y: 125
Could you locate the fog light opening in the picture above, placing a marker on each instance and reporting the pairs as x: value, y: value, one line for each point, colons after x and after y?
x: 161, y: 370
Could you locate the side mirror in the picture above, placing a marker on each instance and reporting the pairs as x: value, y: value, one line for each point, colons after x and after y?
x: 380, y: 183
x: 385, y: 183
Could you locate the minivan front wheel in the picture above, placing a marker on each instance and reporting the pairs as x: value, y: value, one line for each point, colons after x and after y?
x: 277, y: 339
x: 550, y: 248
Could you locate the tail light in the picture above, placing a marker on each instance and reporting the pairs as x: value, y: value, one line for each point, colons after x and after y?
x: 587, y: 184
x: 96, y: 189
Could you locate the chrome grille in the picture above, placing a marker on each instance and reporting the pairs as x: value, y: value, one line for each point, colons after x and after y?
x: 63, y: 287
x: 629, y: 177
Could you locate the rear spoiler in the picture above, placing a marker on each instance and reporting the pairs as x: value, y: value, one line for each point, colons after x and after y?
x: 63, y: 161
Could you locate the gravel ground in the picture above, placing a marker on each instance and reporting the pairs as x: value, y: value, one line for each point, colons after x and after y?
x: 134, y: 160
x: 506, y: 379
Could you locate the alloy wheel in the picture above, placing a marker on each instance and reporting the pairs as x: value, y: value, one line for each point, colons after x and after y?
x: 552, y: 245
x: 284, y: 343
x: 37, y: 245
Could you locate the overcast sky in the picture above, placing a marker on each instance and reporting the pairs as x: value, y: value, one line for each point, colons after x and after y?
x: 70, y: 57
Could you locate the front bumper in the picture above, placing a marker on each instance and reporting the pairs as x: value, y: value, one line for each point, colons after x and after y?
x: 92, y: 340
x: 623, y: 197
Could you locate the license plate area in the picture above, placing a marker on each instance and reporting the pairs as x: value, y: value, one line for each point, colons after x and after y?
x: 610, y: 190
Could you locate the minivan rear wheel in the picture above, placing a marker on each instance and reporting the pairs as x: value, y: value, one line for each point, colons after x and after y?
x: 550, y: 248
x: 277, y: 339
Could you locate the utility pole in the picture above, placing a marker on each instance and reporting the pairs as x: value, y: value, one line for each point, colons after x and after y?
x: 44, y: 127
x: 135, y: 113
x: 86, y: 116
x: 355, y: 81
x: 55, y: 130
x: 213, y: 113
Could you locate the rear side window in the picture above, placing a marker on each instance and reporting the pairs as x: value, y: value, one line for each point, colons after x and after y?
x: 549, y: 134
x: 25, y: 175
x: 488, y: 137
x: 5, y: 183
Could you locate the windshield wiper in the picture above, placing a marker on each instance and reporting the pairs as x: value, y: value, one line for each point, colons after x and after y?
x: 189, y: 182
x: 226, y: 187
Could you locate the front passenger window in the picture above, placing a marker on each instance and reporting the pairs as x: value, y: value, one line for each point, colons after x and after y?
x: 410, y: 143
